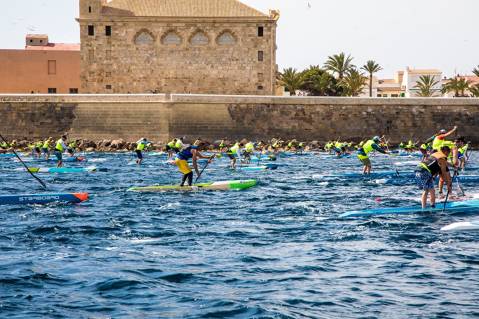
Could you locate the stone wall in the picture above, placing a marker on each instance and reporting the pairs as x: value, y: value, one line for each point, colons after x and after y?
x: 160, y: 117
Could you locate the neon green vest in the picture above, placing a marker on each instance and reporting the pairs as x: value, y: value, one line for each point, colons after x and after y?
x: 437, y: 144
x: 249, y: 147
x: 235, y: 148
x: 140, y: 146
x: 368, y: 147
x: 59, y: 146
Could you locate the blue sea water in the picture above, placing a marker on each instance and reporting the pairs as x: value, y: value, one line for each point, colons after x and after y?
x: 278, y: 250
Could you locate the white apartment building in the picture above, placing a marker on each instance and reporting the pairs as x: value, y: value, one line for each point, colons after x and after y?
x: 411, y: 77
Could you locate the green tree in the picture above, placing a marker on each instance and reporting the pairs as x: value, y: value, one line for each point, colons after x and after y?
x: 318, y: 82
x: 371, y: 67
x: 425, y: 86
x: 339, y: 64
x: 474, y: 90
x: 353, y: 83
x: 458, y: 85
x: 291, y: 79
x: 476, y: 71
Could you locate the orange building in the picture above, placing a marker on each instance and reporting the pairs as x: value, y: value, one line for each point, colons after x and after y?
x: 42, y: 67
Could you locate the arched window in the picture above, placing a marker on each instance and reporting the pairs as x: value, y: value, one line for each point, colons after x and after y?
x: 226, y: 38
x: 199, y: 38
x: 144, y: 37
x: 171, y: 38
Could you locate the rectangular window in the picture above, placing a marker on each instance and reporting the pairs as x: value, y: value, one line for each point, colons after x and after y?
x: 260, y: 87
x: 73, y: 91
x: 52, y: 67
x: 108, y: 54
x: 52, y: 91
x: 260, y: 31
x: 260, y: 56
x: 108, y: 30
x: 379, y: 95
x: 394, y: 95
x: 108, y: 87
x: 91, y: 30
x: 89, y: 9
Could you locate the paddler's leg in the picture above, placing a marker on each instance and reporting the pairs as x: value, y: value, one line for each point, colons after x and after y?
x: 441, y: 186
x: 432, y: 192
x: 367, y: 164
x: 139, y: 156
x: 59, y: 157
x: 425, y: 182
x: 232, y: 160
x: 184, y: 168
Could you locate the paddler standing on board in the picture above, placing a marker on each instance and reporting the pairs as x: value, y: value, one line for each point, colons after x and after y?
x: 248, y: 151
x: 140, y: 146
x: 435, y: 164
x: 60, y: 147
x: 368, y: 147
x: 233, y: 152
x: 189, y: 152
x: 72, y: 147
x: 439, y: 138
x: 46, y: 147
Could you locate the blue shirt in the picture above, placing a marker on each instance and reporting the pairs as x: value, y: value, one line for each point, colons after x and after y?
x: 186, y: 153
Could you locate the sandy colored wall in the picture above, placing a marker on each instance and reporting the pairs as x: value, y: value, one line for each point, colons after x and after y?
x: 24, y: 71
x: 160, y: 117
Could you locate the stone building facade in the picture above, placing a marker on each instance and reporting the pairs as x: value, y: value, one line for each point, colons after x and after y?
x: 177, y: 46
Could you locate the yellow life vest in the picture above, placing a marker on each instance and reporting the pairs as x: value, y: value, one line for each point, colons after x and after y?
x: 59, y: 145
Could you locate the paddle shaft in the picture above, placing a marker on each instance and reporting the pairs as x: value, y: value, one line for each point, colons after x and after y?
x: 448, y: 191
x: 203, y: 169
x: 26, y: 167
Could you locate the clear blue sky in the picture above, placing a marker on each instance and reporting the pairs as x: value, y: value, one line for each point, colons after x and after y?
x: 418, y: 33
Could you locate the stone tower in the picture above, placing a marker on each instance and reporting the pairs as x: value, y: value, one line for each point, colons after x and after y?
x: 172, y: 46
x: 90, y: 9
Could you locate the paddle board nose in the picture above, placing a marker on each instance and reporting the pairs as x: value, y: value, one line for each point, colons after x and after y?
x: 81, y: 196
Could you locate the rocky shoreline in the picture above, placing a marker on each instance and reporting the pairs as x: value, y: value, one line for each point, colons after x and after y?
x: 121, y: 145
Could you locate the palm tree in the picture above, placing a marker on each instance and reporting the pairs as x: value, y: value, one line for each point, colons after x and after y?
x: 474, y: 90
x: 425, y: 86
x: 476, y: 71
x: 458, y: 85
x: 353, y: 83
x: 339, y: 64
x: 371, y: 67
x: 318, y: 82
x: 291, y: 79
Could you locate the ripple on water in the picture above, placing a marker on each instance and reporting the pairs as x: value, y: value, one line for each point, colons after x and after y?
x: 275, y: 251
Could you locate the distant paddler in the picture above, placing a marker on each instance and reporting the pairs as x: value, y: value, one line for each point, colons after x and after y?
x: 179, y: 144
x: 4, y: 146
x: 140, y: 147
x: 72, y: 147
x: 170, y: 148
x: 425, y: 148
x: 46, y: 147
x: 189, y: 152
x: 248, y: 151
x: 60, y: 147
x: 434, y: 165
x: 368, y: 147
x: 339, y: 148
x: 234, y: 152
x: 37, y: 149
